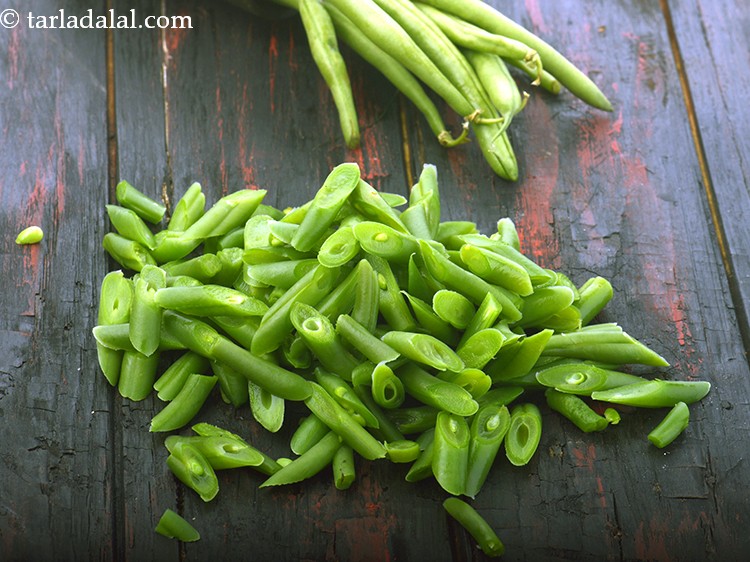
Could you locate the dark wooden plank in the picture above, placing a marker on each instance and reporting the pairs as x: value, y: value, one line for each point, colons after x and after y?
x: 144, y: 487
x: 619, y: 195
x: 56, y: 499
x: 712, y: 44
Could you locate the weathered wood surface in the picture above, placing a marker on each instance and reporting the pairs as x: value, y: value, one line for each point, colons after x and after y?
x: 237, y: 102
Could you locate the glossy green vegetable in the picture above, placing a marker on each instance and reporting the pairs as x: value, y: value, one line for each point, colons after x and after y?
x: 450, y: 455
x: 655, y: 393
x: 30, y: 235
x: 576, y: 410
x: 185, y: 405
x: 174, y: 526
x: 476, y: 525
x: 670, y: 428
x: 146, y: 208
x: 524, y: 434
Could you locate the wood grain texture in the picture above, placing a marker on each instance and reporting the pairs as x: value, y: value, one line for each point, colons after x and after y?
x: 237, y: 102
x: 56, y: 492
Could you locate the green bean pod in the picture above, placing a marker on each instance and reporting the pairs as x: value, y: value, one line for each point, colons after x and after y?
x: 339, y: 248
x: 524, y: 433
x: 387, y: 389
x: 450, y: 455
x: 203, y: 267
x: 431, y: 322
x: 224, y: 449
x: 282, y: 274
x: 363, y: 341
x: 321, y: 337
x: 146, y: 313
x: 308, y: 464
x: 402, y: 451
x: 517, y: 359
x: 497, y: 269
x: 190, y: 466
x: 655, y: 394
x: 131, y: 226
x: 543, y: 303
x: 326, y: 205
x: 276, y: 323
x: 188, y: 209
x: 233, y: 385
x: 209, y: 300
x: 422, y: 217
x: 308, y: 432
x: 481, y: 347
x: 334, y: 416
x: 501, y: 395
x: 415, y: 419
x: 574, y: 377
x: 202, y: 339
x: 365, y: 309
x: 437, y: 393
x: 391, y: 302
x: 368, y: 201
x: 128, y: 253
x: 537, y: 274
x: 670, y: 428
x: 343, y: 467
x: 594, y: 295
x: 465, y: 282
x: 340, y: 391
x: 424, y: 349
x: 576, y: 410
x: 185, y: 405
x: 486, y: 433
x: 476, y: 525
x: 448, y: 233
x: 174, y: 526
x: 381, y: 240
x: 115, y: 298
x: 137, y: 375
x: 228, y: 213
x: 168, y: 385
x: 605, y: 343
x: 135, y: 200
x: 485, y: 317
x: 422, y: 466
x: 474, y: 380
x: 267, y: 408
x: 321, y: 36
x: 453, y: 308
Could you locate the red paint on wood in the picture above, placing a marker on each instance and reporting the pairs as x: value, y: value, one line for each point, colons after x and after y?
x: 585, y: 459
x: 650, y: 540
x: 173, y: 37
x: 246, y: 155
x: 273, y: 55
x: 534, y: 218
x: 535, y: 13
x: 601, y: 493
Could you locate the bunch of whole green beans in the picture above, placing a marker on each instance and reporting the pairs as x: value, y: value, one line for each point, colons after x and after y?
x: 406, y: 337
x: 459, y: 49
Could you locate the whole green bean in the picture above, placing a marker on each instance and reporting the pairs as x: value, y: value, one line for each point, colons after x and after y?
x: 323, y: 46
x: 487, y: 17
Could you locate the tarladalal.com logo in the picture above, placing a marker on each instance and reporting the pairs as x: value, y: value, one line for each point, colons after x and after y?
x: 10, y: 18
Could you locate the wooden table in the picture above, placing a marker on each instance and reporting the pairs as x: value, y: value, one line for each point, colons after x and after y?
x: 653, y: 196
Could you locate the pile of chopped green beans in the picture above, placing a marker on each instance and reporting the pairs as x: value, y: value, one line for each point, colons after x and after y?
x: 458, y: 49
x: 407, y: 338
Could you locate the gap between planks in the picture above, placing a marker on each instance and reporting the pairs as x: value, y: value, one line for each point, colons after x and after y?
x: 734, y: 289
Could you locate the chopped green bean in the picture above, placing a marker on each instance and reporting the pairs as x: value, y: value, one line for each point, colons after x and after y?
x: 524, y: 433
x: 673, y: 424
x: 174, y: 526
x: 476, y: 525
